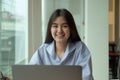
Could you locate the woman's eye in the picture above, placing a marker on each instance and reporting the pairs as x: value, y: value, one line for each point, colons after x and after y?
x: 65, y: 26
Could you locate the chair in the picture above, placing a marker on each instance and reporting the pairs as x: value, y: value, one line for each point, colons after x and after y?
x: 113, y: 60
x: 2, y: 77
x: 118, y: 51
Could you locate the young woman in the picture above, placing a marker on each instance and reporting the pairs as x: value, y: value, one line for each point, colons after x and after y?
x: 63, y: 45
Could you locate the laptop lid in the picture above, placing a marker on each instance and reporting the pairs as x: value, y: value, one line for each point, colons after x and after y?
x: 37, y: 72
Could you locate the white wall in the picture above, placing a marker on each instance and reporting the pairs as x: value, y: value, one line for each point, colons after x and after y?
x: 96, y: 36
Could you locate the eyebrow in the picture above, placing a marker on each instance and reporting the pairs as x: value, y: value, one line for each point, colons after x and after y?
x: 57, y: 24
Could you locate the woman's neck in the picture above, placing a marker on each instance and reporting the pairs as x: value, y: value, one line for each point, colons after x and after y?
x: 60, y: 49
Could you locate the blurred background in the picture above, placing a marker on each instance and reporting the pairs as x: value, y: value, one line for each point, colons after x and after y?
x: 23, y: 26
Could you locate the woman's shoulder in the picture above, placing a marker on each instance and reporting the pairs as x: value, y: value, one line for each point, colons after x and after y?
x: 44, y: 46
x: 79, y: 44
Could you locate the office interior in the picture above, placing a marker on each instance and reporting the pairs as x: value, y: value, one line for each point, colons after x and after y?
x: 23, y: 27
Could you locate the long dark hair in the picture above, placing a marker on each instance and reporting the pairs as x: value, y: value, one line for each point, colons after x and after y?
x: 74, y: 36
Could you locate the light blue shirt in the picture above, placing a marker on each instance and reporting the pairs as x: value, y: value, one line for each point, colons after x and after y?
x: 75, y: 54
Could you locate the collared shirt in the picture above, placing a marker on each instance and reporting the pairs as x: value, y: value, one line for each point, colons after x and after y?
x: 75, y: 54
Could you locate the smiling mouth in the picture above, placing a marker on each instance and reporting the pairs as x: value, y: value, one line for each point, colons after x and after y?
x: 60, y: 36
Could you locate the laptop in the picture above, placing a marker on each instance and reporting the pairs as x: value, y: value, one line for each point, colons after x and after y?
x: 46, y: 72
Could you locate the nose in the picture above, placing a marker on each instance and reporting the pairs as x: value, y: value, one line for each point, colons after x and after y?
x: 59, y: 29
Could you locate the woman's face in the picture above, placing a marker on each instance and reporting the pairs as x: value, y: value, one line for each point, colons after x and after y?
x: 60, y: 30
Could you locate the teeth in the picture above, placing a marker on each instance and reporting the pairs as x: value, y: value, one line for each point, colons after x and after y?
x: 59, y: 35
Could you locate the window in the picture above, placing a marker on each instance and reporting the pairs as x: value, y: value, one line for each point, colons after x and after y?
x: 13, y: 34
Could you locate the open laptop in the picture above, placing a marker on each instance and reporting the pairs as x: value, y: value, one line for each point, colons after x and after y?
x: 37, y: 72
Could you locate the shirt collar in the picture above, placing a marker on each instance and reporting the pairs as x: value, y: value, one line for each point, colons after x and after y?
x: 51, y: 49
x: 69, y: 49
